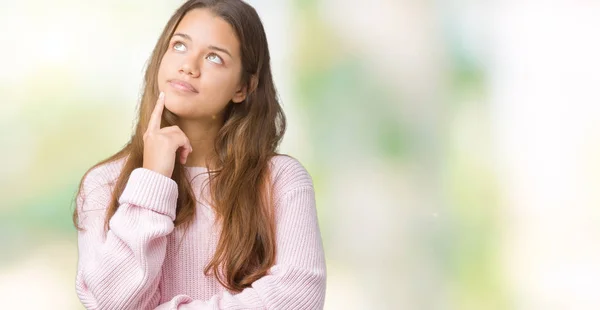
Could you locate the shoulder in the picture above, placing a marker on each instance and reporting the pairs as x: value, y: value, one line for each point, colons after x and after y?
x: 98, y: 181
x: 104, y: 174
x: 287, y: 174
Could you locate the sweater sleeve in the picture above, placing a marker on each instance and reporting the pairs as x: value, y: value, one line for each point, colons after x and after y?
x: 120, y: 269
x: 296, y: 281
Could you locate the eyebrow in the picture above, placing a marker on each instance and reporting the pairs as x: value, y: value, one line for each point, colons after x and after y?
x: 212, y: 47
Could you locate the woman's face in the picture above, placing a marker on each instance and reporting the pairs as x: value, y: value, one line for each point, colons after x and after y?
x: 200, y: 72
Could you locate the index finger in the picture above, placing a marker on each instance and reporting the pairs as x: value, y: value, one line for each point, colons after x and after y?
x: 154, y: 123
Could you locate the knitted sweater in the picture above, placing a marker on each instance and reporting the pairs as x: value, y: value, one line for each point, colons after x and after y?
x: 143, y: 262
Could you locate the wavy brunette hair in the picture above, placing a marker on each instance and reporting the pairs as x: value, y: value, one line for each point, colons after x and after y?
x: 240, y: 185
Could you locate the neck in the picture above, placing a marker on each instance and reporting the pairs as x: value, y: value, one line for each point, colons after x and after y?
x: 202, y: 134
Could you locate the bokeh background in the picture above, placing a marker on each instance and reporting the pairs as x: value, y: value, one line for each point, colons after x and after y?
x: 454, y: 145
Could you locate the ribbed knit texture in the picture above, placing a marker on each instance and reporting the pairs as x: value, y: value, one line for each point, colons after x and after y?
x: 143, y: 262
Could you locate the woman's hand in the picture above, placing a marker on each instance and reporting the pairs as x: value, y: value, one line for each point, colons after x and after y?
x: 161, y: 144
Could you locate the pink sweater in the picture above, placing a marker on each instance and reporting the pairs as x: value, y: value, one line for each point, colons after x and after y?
x: 137, y: 264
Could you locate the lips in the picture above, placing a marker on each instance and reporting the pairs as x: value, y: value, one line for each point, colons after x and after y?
x: 182, y: 85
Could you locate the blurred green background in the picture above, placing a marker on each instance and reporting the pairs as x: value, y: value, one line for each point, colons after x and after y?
x: 454, y: 145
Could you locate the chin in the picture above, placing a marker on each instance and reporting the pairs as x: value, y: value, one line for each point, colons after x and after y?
x: 183, y: 108
x: 177, y: 105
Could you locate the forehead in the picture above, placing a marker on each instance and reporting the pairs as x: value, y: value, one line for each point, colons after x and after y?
x: 205, y: 28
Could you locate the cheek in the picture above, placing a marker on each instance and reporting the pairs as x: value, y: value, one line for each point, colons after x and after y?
x: 160, y: 76
x: 166, y: 65
x: 220, y: 84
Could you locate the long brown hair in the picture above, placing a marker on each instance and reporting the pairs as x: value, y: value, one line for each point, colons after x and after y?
x: 240, y: 179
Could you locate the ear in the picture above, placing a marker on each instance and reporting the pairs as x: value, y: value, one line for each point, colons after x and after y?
x: 243, y: 92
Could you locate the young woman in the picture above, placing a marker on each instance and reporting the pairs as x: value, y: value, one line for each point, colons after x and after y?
x: 198, y: 211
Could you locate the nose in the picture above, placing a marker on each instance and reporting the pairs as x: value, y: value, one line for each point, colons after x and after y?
x: 190, y: 70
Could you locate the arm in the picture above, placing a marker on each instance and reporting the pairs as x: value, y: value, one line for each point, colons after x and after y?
x: 297, y: 280
x: 121, y: 269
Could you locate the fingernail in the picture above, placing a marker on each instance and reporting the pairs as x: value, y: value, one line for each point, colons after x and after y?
x: 161, y: 96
